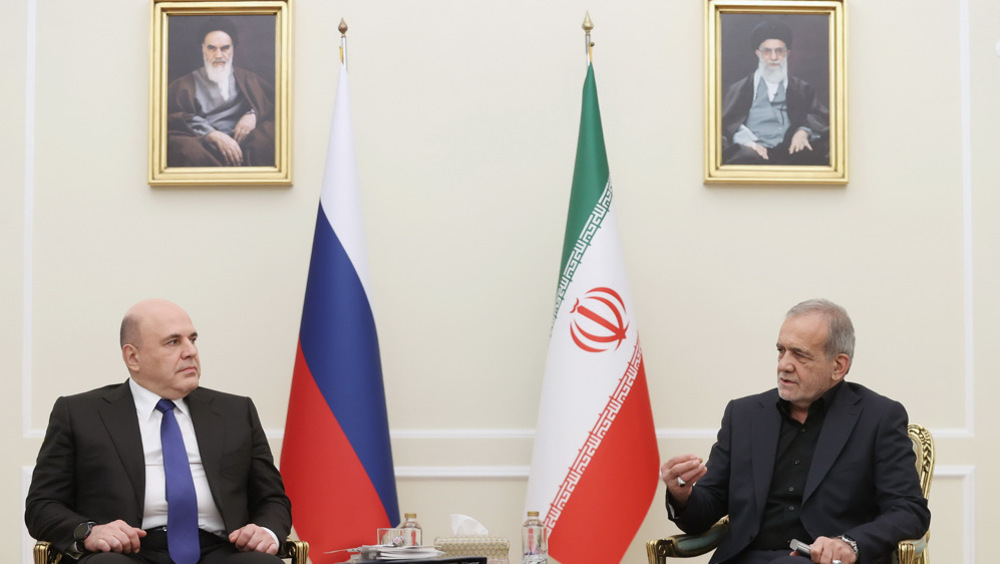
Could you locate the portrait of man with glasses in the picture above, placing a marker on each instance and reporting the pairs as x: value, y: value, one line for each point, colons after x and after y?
x: 772, y: 116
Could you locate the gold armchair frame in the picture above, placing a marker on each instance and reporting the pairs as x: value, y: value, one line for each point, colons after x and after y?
x: 908, y: 552
x: 296, y: 550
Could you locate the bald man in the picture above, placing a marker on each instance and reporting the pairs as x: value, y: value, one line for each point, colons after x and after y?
x: 98, y: 491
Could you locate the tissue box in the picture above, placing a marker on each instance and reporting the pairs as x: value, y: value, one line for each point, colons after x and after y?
x: 495, y: 549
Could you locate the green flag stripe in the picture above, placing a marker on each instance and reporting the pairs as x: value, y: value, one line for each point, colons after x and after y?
x: 591, y: 185
x: 582, y: 243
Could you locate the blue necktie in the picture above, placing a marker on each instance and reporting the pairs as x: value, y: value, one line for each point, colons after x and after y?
x: 182, y: 502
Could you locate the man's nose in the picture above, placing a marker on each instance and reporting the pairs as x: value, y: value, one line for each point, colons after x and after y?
x: 189, y: 348
x: 784, y: 364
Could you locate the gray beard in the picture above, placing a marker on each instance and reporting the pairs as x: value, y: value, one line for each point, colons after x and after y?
x: 220, y: 76
x: 772, y: 74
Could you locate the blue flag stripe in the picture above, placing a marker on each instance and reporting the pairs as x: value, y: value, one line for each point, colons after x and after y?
x: 340, y: 345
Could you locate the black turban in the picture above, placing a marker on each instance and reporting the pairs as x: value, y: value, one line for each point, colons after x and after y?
x: 218, y: 23
x: 769, y: 30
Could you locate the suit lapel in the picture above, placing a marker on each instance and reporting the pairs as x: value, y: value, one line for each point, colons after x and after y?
x: 765, y: 425
x: 837, y: 428
x: 210, y: 428
x: 119, y: 418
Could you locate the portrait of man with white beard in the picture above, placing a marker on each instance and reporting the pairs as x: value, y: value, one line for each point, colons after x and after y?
x: 220, y: 114
x: 771, y: 116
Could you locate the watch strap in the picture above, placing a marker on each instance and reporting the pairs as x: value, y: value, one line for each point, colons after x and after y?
x: 851, y: 542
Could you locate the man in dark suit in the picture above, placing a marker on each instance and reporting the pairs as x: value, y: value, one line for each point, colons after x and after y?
x: 100, y: 487
x: 818, y: 459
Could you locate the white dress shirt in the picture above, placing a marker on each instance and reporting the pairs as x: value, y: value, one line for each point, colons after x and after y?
x: 155, y: 506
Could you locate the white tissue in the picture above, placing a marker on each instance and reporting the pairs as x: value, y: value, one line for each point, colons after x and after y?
x: 465, y: 526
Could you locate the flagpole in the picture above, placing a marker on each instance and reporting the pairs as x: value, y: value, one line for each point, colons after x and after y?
x: 588, y: 44
x: 343, y: 41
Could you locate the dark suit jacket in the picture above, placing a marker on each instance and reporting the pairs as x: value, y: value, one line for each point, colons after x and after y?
x: 91, y: 467
x: 862, y: 481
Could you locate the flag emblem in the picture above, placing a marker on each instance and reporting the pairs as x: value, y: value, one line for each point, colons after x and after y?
x: 599, y: 321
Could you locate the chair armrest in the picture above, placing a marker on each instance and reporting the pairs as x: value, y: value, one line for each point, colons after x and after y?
x: 45, y: 554
x: 297, y: 550
x: 686, y: 546
x: 912, y: 551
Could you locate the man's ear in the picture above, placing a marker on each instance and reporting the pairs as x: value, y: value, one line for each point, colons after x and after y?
x: 841, y: 365
x: 130, y: 354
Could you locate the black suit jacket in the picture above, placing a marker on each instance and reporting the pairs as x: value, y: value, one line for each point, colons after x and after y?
x: 862, y: 482
x: 91, y: 466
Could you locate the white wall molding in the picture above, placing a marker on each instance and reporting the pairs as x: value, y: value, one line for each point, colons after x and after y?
x: 27, y: 543
x: 965, y: 82
x: 526, y: 434
x: 462, y: 472
x: 29, y: 215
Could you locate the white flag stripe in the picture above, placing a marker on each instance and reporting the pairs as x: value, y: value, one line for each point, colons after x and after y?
x: 577, y: 386
x: 341, y: 192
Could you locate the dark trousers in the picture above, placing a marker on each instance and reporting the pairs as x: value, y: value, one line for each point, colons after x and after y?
x: 153, y: 550
x: 769, y: 557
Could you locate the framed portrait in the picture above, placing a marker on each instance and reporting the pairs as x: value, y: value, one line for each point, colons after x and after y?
x: 220, y: 99
x: 776, y: 91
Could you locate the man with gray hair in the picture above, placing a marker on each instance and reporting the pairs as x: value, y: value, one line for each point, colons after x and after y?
x: 817, y: 459
x: 220, y: 114
x: 770, y: 117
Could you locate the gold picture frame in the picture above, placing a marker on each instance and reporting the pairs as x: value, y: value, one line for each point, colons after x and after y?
x: 255, y: 94
x: 812, y: 74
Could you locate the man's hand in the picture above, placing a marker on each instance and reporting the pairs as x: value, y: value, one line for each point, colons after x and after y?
x: 246, y: 124
x: 227, y: 147
x: 825, y: 550
x: 679, y: 474
x: 800, y: 142
x: 760, y: 149
x: 116, y: 536
x: 252, y: 538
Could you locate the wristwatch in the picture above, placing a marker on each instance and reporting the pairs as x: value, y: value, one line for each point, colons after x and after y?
x: 852, y: 543
x: 81, y: 532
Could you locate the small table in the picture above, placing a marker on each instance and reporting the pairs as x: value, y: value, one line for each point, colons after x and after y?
x: 451, y: 560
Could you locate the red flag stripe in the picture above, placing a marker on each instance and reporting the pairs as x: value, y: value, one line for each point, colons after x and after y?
x: 315, y: 443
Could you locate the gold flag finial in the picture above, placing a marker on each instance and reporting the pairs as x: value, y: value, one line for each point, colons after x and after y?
x: 588, y: 44
x: 342, y: 28
x: 587, y: 24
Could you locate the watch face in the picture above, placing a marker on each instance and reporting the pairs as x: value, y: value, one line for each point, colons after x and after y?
x: 82, y: 531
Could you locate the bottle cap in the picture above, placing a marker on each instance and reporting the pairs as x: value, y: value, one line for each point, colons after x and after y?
x: 532, y: 514
x: 410, y: 515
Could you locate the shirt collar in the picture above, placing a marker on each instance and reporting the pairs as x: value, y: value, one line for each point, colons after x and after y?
x: 820, y: 405
x: 146, y: 400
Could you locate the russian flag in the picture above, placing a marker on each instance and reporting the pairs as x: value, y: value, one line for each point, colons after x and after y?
x: 336, y: 459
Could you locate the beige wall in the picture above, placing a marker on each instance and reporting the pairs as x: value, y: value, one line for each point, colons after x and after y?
x: 466, y: 116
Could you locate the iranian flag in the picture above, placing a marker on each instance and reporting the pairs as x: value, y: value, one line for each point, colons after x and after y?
x: 595, y: 465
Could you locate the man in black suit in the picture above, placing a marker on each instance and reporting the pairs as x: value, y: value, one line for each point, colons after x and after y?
x: 98, y: 489
x: 818, y: 459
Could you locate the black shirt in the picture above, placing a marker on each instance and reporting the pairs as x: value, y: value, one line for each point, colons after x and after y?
x: 796, y: 445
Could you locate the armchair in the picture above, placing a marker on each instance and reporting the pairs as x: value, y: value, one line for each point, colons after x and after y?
x: 296, y: 550
x: 908, y: 551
